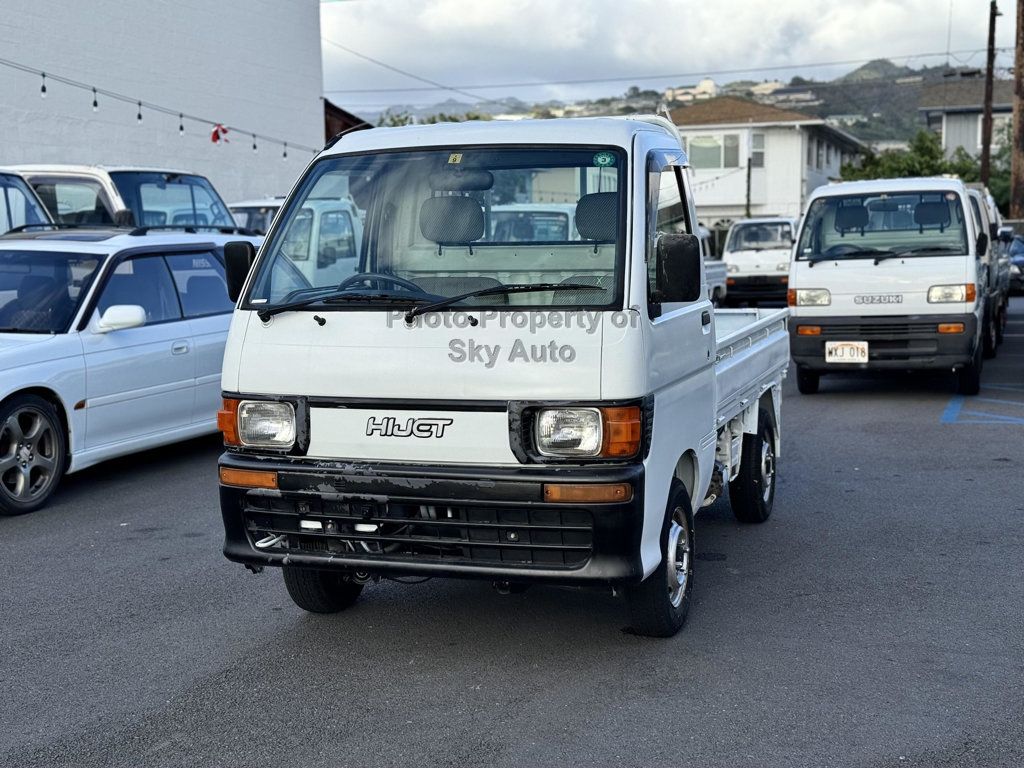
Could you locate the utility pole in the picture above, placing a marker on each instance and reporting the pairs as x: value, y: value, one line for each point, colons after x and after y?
x: 986, y: 120
x: 1017, y: 172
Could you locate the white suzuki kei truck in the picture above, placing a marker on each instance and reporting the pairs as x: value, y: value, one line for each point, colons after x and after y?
x: 888, y: 275
x: 536, y: 410
x: 756, y: 259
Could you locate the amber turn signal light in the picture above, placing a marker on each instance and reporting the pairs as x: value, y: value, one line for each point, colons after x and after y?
x: 622, y: 430
x: 808, y: 330
x: 951, y: 327
x: 227, y: 422
x: 593, y: 493
x: 791, y: 297
x: 972, y: 292
x: 248, y: 478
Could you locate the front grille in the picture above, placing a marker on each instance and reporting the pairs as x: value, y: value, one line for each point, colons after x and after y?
x: 864, y: 331
x: 411, y: 532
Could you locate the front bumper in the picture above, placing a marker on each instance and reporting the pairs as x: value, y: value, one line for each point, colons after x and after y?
x: 756, y: 287
x: 894, y: 343
x: 470, y: 522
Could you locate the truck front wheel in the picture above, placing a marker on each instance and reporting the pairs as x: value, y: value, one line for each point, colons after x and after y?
x: 320, y: 591
x: 807, y: 381
x: 752, y: 493
x: 968, y: 378
x: 658, y: 605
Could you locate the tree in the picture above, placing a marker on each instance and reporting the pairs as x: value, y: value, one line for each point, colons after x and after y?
x: 390, y: 119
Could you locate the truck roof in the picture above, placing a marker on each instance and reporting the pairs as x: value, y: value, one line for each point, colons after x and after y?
x: 910, y: 184
x: 601, y: 131
x: 107, y: 241
x: 263, y: 202
x: 766, y: 220
x: 94, y: 169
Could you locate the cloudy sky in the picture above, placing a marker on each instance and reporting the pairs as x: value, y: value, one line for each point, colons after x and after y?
x: 465, y: 43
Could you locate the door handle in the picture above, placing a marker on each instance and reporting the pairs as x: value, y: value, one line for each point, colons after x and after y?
x: 705, y: 318
x: 179, y: 348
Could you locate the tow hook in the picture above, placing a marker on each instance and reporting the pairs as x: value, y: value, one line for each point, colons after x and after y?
x: 256, y: 569
x: 502, y: 587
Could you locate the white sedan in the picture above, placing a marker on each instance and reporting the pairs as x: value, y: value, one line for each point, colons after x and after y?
x: 110, y: 343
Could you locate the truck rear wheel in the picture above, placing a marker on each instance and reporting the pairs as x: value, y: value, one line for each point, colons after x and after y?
x: 320, y: 591
x: 658, y: 605
x: 807, y: 381
x: 752, y: 493
x: 1001, y: 323
x: 988, y: 333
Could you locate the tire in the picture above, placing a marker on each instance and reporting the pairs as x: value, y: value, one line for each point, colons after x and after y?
x: 807, y: 381
x: 988, y: 334
x: 320, y: 591
x: 1001, y: 323
x: 658, y: 605
x: 33, y: 453
x: 752, y: 493
x: 969, y: 377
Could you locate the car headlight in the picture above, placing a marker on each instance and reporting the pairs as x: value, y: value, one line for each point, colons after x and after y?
x: 809, y: 297
x: 730, y: 268
x: 951, y: 294
x: 1014, y: 269
x: 265, y: 424
x: 569, y: 432
x: 782, y: 266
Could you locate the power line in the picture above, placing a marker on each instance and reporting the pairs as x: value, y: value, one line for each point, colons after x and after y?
x: 462, y: 89
x: 48, y: 76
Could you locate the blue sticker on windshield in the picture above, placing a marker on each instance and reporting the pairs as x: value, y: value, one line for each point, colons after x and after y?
x: 604, y: 159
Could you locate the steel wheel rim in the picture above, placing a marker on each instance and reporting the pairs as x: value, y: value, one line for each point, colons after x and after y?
x: 678, y: 555
x: 28, y: 455
x: 767, y: 469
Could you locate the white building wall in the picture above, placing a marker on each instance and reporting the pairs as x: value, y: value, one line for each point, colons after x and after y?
x: 254, y: 64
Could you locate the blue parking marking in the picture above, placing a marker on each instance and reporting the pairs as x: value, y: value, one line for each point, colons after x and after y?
x: 960, y: 409
x: 952, y: 412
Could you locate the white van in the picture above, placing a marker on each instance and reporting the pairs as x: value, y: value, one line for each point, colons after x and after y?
x: 888, y: 275
x: 756, y: 259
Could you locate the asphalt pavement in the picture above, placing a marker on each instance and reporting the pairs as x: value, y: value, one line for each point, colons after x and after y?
x: 877, y: 619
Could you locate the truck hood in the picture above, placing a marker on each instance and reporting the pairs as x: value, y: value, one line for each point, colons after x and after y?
x: 891, y: 287
x: 361, y: 356
x: 22, y: 349
x: 758, y: 262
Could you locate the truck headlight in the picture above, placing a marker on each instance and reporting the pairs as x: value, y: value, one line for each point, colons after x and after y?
x: 951, y: 294
x: 809, y: 297
x: 569, y: 432
x: 265, y: 424
x: 730, y: 268
x: 782, y: 266
x: 1014, y: 269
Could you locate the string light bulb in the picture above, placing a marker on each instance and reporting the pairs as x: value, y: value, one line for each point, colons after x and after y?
x: 95, y: 103
x: 138, y: 116
x: 42, y: 88
x: 181, y: 124
x: 254, y: 147
x: 284, y: 154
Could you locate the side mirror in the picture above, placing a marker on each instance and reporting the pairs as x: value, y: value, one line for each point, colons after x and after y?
x: 678, y: 266
x: 124, y: 218
x: 1005, y: 234
x: 982, y: 244
x: 120, y: 317
x: 239, y: 256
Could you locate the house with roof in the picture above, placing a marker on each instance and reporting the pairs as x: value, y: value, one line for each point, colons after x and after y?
x: 954, y: 108
x: 749, y: 158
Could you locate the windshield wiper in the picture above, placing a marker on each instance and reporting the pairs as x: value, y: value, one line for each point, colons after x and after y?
x: 22, y: 330
x: 497, y: 290
x: 336, y: 297
x: 859, y: 252
x: 919, y: 251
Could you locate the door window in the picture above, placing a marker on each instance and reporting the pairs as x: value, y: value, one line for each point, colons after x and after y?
x: 144, y: 281
x: 199, y: 278
x: 667, y: 212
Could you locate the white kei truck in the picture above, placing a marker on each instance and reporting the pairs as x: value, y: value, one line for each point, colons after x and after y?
x: 892, y: 274
x: 756, y: 259
x: 528, y: 411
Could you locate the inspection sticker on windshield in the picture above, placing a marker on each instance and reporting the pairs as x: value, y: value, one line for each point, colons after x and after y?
x: 604, y: 159
x: 454, y: 158
x: 846, y: 351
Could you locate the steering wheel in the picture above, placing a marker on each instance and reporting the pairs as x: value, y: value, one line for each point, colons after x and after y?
x: 377, y: 278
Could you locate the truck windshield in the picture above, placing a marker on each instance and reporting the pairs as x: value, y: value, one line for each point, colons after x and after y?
x: 40, y: 291
x: 760, y: 236
x: 446, y: 222
x: 18, y: 205
x: 171, y: 199
x: 890, y: 223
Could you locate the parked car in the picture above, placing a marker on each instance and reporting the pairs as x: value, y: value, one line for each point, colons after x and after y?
x: 756, y: 257
x: 256, y: 215
x: 995, y: 259
x: 889, y: 275
x: 19, y: 205
x: 1016, y: 253
x: 465, y: 407
x: 110, y: 343
x: 98, y: 195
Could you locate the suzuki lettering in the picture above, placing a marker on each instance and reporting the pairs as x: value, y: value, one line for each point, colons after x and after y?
x: 388, y: 426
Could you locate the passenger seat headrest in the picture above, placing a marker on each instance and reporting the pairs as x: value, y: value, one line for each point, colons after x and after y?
x: 452, y: 220
x: 597, y: 216
x: 851, y: 217
x: 931, y: 214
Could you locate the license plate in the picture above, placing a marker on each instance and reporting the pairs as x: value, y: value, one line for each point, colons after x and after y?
x: 846, y: 351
